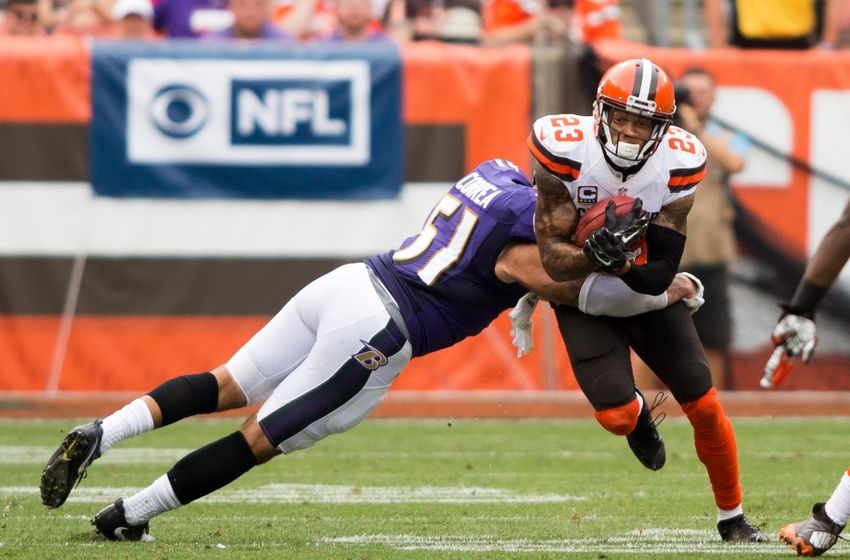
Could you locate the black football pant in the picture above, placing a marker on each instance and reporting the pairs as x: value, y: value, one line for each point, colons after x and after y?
x: 666, y: 340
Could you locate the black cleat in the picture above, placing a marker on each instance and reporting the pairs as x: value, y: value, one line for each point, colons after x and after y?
x: 739, y: 530
x: 644, y: 440
x: 112, y: 524
x: 67, y: 466
x: 814, y: 536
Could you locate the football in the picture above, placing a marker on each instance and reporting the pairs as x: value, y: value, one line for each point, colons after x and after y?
x: 594, y: 218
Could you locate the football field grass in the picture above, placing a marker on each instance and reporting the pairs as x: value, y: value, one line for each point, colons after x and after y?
x: 529, y: 489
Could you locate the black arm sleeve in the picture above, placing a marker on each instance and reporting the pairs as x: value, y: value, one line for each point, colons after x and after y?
x: 665, y: 247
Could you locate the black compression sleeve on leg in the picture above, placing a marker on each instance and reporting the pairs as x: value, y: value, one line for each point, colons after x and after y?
x: 665, y: 247
x: 185, y: 396
x: 211, y: 467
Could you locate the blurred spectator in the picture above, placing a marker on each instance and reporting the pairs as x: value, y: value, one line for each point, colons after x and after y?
x: 20, y: 17
x: 593, y: 20
x: 520, y: 21
x: 661, y: 30
x: 52, y: 12
x: 395, y: 20
x: 451, y: 21
x: 190, y: 18
x: 773, y: 24
x: 355, y: 23
x: 251, y: 20
x: 83, y: 18
x: 654, y: 16
x: 424, y: 17
x: 305, y: 19
x: 461, y: 22
x: 133, y: 20
x: 710, y: 247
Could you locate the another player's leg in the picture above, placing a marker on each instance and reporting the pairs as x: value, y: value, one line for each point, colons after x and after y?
x: 600, y: 356
x: 173, y: 400
x: 818, y: 533
x: 201, y: 472
x: 325, y: 384
x: 668, y: 342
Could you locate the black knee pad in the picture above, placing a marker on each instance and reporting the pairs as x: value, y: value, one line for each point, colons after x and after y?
x: 185, y: 396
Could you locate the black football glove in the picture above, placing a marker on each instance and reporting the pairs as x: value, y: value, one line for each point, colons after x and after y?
x: 606, y: 251
x: 631, y: 228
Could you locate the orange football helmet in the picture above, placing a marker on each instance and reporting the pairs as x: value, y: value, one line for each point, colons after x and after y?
x: 637, y: 86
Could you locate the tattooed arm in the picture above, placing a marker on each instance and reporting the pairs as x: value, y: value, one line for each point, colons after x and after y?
x: 675, y: 214
x: 554, y: 221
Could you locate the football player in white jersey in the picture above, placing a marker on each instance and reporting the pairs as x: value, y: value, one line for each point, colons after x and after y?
x: 628, y: 147
x: 795, y: 337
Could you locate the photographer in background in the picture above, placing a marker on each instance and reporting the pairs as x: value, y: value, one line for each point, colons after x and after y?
x: 710, y: 246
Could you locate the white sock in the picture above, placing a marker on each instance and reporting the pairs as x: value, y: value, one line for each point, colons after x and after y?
x: 132, y: 420
x: 838, y: 505
x: 155, y: 499
x: 724, y: 514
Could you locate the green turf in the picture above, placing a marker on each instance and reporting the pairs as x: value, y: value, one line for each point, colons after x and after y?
x: 528, y: 489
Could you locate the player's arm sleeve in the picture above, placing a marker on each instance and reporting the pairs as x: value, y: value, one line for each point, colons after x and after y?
x: 605, y: 294
x: 665, y: 247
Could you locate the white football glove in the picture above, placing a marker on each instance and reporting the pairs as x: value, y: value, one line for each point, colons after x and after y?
x: 694, y: 303
x: 796, y: 335
x: 521, y: 326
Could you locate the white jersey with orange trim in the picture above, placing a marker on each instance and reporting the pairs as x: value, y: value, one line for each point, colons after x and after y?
x: 566, y: 145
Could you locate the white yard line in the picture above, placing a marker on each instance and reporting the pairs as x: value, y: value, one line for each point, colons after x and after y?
x: 648, y: 541
x: 330, y: 494
x: 35, y: 454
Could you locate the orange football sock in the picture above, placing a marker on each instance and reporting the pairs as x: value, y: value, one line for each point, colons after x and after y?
x: 716, y: 448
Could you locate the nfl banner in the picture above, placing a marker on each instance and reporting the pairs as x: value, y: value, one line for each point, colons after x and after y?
x: 273, y: 120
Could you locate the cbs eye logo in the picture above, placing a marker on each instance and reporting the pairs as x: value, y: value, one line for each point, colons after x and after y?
x: 179, y: 111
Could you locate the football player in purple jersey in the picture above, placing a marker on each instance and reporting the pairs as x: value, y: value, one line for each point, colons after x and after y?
x: 327, y: 359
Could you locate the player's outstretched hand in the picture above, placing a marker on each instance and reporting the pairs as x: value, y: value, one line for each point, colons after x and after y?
x: 606, y: 251
x: 797, y: 335
x: 632, y: 227
x: 794, y: 336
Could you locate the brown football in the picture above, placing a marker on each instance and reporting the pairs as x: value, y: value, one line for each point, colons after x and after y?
x: 594, y: 218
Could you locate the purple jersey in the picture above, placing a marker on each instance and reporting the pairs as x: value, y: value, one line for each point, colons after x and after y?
x: 444, y: 278
x: 190, y: 18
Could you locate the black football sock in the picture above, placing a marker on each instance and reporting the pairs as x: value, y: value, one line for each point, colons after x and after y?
x: 211, y: 467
